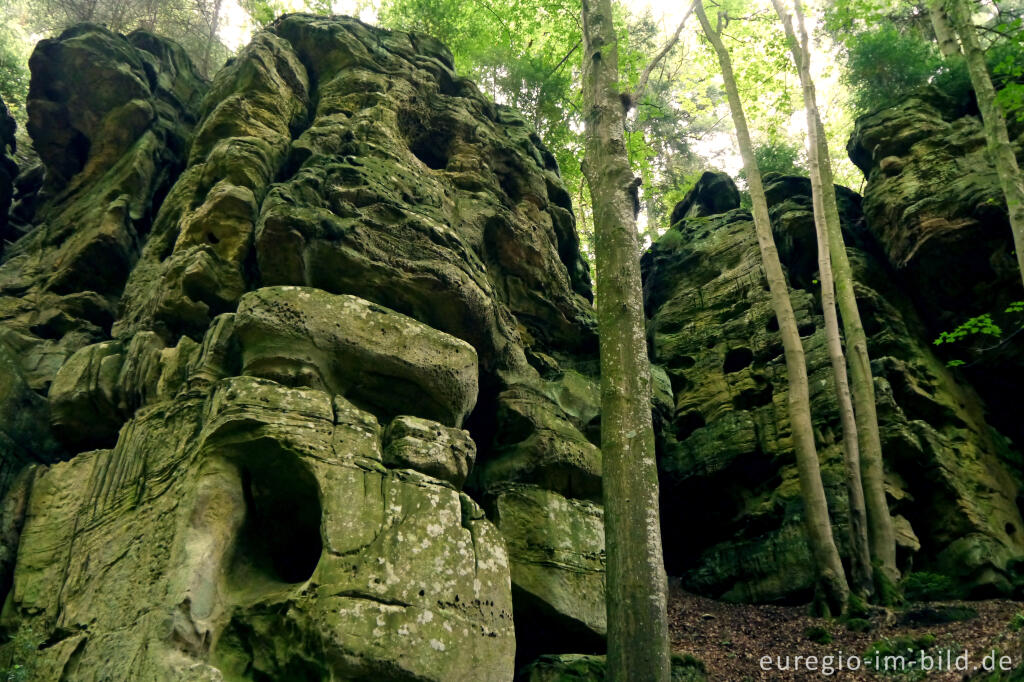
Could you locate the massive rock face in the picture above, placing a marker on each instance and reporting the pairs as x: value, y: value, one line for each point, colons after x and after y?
x: 298, y: 374
x: 934, y: 203
x: 731, y: 511
x: 259, y: 335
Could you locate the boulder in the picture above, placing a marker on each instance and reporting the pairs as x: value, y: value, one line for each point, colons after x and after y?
x: 273, y: 301
x: 556, y: 553
x: 349, y: 346
x: 430, y: 448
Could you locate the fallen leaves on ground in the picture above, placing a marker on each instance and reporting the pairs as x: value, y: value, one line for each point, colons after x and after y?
x: 731, y: 639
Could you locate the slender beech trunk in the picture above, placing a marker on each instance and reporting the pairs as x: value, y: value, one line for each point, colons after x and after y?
x: 860, y: 559
x: 211, y: 37
x: 831, y: 579
x: 993, y: 121
x: 881, y: 536
x: 636, y: 593
x: 943, y: 31
x: 881, y: 533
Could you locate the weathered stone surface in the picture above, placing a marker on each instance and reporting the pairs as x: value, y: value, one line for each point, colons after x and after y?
x: 110, y: 116
x: 538, y: 442
x: 934, y: 203
x: 289, y: 295
x: 83, y: 401
x: 731, y: 510
x: 348, y: 346
x: 335, y: 156
x: 8, y: 170
x: 430, y: 448
x: 714, y: 193
x: 260, y: 520
x: 589, y: 668
x: 556, y: 550
x: 194, y: 264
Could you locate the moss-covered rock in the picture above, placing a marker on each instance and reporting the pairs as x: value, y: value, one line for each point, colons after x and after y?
x: 272, y: 301
x: 726, y: 454
x: 585, y: 668
x: 934, y: 203
x: 275, y: 542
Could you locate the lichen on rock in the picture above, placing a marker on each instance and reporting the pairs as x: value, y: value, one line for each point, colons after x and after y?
x: 276, y: 323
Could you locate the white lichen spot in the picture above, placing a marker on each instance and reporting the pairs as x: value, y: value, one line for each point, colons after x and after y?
x: 437, y: 645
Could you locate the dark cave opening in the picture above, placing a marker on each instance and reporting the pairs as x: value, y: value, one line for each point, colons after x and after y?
x: 281, y: 533
x: 737, y: 359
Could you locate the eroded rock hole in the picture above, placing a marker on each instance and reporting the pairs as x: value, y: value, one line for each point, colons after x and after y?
x: 687, y: 423
x: 281, y: 533
x: 737, y: 359
x: 752, y: 398
x: 430, y: 142
x: 680, y: 383
x: 681, y: 362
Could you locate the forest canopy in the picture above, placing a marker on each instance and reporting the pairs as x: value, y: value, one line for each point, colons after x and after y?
x: 526, y: 54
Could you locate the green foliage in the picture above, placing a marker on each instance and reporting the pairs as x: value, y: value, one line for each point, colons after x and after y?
x: 891, y: 646
x: 19, y: 651
x: 888, y: 50
x: 883, y: 65
x: 682, y: 663
x: 1006, y: 59
x: 856, y: 607
x: 1017, y: 622
x: 14, y: 51
x: 818, y: 634
x: 262, y: 12
x: 979, y: 327
x: 859, y: 625
x: 780, y: 156
x: 887, y: 593
x: 980, y: 324
x: 194, y: 24
x: 925, y: 586
x: 908, y: 647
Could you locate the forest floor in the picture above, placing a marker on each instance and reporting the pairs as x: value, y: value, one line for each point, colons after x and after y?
x: 957, y: 640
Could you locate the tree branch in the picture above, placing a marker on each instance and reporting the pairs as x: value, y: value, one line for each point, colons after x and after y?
x: 564, y: 59
x: 641, y: 85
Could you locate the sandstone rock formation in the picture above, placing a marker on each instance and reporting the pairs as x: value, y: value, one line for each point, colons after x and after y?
x: 298, y: 373
x: 731, y: 510
x: 934, y: 203
x: 259, y: 335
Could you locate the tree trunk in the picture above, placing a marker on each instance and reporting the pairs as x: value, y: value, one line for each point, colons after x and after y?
x: 829, y: 568
x: 994, y: 123
x: 214, y: 21
x: 860, y: 560
x: 881, y: 535
x: 943, y: 31
x: 636, y: 593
